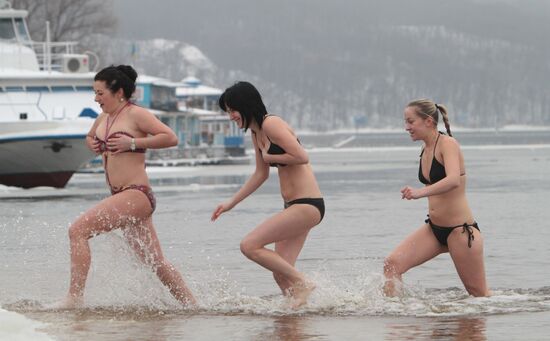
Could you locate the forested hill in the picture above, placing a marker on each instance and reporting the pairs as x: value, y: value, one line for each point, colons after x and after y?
x: 331, y: 64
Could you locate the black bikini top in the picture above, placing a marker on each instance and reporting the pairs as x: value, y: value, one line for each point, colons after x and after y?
x: 437, y: 171
x: 103, y: 146
x: 275, y: 149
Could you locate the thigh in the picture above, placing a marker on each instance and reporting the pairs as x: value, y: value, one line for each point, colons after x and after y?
x: 419, y: 247
x: 292, y: 222
x: 144, y: 241
x: 289, y: 249
x: 119, y: 210
x: 468, y: 261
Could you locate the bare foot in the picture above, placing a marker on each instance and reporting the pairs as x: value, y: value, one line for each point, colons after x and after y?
x: 300, y: 293
x: 190, y: 302
x: 393, y: 288
x: 288, y: 292
x: 68, y: 303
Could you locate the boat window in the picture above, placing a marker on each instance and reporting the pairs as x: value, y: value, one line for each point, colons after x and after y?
x: 38, y: 89
x: 14, y: 88
x: 84, y: 88
x: 62, y: 88
x: 6, y: 29
x: 21, y: 29
x: 163, y: 98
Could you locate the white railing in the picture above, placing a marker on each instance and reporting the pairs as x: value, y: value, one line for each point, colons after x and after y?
x: 49, y: 54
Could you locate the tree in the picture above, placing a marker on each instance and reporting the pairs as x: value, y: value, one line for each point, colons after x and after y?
x: 70, y: 20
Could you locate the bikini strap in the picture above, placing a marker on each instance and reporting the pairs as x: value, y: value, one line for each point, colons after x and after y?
x: 436, y: 140
x: 468, y: 228
x: 107, y: 127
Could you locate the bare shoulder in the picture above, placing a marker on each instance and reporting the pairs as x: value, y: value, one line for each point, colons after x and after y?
x: 273, y: 124
x: 449, y: 143
x: 138, y: 112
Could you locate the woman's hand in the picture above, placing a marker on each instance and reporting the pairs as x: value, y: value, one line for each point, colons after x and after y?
x: 119, y: 143
x: 264, y: 147
x: 221, y: 208
x: 409, y: 193
x: 94, y: 144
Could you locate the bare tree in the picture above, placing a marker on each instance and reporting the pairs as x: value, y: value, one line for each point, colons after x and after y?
x: 70, y: 20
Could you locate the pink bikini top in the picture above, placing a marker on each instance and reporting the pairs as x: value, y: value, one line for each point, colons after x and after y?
x: 103, y: 146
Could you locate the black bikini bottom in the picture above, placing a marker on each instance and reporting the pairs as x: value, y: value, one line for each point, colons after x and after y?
x: 318, y: 203
x: 441, y: 233
x: 142, y: 188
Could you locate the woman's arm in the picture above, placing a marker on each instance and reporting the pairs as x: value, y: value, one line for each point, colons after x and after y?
x: 260, y: 175
x: 451, y: 160
x: 159, y: 134
x: 279, y: 133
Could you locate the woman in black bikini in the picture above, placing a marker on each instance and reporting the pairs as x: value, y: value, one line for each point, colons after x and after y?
x: 121, y: 134
x: 450, y: 226
x: 275, y: 145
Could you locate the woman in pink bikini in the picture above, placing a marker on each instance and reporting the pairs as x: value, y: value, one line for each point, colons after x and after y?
x: 121, y: 134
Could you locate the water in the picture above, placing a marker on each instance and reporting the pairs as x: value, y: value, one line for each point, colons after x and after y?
x: 508, y: 186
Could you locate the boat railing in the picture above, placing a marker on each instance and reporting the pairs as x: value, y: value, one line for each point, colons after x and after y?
x: 50, y: 54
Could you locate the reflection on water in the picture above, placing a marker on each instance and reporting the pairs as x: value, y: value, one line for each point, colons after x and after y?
x: 288, y: 328
x: 463, y: 328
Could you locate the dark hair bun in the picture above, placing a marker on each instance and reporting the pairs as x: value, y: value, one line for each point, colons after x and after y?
x: 128, y: 71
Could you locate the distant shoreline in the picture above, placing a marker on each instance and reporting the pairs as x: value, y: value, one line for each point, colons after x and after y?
x: 506, y: 128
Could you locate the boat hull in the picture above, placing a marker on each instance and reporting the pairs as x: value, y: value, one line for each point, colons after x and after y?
x: 30, y: 180
x: 43, y: 159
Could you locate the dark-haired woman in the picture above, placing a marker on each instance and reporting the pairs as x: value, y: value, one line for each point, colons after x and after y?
x: 450, y: 226
x: 275, y: 145
x: 121, y: 134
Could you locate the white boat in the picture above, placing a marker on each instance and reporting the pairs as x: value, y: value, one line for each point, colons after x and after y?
x: 46, y: 106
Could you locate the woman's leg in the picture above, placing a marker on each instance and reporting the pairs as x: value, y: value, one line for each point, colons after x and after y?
x: 469, y: 261
x: 109, y: 214
x: 419, y: 247
x: 143, y: 239
x: 291, y: 223
x: 289, y: 250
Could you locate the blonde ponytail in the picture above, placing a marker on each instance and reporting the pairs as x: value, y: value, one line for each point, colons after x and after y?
x: 428, y: 108
x: 445, y: 115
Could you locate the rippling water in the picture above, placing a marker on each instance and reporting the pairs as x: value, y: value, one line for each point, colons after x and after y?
x: 508, y: 186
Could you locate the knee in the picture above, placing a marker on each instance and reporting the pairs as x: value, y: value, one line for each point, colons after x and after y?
x: 248, y: 248
x: 391, y: 267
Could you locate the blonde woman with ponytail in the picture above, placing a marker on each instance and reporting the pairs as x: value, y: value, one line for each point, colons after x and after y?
x: 450, y: 226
